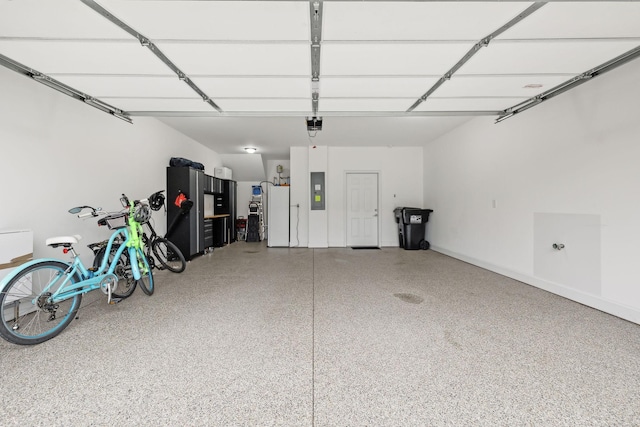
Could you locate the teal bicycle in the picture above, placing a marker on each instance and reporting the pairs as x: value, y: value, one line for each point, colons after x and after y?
x: 40, y: 298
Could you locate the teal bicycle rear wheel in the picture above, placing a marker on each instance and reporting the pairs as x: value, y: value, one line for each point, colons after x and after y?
x: 126, y: 282
x: 27, y: 314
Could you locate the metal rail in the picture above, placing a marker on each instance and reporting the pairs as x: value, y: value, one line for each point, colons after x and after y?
x: 144, y: 41
x: 62, y: 88
x: 479, y: 45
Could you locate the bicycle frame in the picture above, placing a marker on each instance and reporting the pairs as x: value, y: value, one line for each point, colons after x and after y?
x: 147, y: 240
x: 92, y: 280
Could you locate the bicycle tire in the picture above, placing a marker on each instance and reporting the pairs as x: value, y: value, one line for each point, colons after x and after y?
x: 146, y: 280
x: 26, y: 317
x: 126, y: 282
x: 169, y: 255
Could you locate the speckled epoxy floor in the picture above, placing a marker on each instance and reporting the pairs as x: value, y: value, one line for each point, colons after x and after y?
x: 251, y: 335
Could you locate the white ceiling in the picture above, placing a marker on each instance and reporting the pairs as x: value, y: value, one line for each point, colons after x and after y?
x: 255, y: 61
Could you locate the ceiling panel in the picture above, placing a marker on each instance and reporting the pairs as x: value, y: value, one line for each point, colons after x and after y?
x: 415, y: 20
x: 160, y: 104
x: 84, y: 57
x: 390, y: 58
x: 254, y: 58
x: 302, y: 106
x: 579, y: 20
x: 55, y: 19
x: 397, y: 87
x: 128, y: 86
x: 215, y: 20
x: 364, y: 104
x: 256, y: 87
x: 468, y: 104
x: 544, y: 57
x: 266, y: 59
x: 522, y: 85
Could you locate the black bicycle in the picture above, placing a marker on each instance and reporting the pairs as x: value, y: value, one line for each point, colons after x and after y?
x: 167, y: 254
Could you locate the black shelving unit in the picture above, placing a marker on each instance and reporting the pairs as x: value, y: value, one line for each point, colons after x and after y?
x: 193, y: 233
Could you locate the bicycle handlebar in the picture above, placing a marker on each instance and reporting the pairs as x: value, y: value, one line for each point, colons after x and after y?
x: 94, y: 211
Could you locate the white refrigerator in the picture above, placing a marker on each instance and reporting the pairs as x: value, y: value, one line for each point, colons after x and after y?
x: 278, y: 216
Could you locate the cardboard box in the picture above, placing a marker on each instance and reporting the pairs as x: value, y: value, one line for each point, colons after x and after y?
x: 16, y: 248
x: 222, y: 173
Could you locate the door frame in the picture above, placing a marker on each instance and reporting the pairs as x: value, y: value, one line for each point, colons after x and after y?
x: 346, y: 202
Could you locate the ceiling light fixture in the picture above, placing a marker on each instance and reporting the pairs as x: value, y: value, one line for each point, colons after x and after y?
x: 250, y: 150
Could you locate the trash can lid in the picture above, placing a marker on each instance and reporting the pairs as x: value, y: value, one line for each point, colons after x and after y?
x: 415, y: 215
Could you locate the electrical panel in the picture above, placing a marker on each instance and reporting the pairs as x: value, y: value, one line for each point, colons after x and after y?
x: 317, y: 191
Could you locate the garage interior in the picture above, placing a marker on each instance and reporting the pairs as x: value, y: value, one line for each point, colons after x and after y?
x: 516, y: 122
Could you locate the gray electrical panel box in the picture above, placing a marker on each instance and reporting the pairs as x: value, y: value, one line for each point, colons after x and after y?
x: 317, y: 191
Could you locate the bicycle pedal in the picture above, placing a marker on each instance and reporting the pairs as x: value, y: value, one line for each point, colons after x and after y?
x: 114, y: 301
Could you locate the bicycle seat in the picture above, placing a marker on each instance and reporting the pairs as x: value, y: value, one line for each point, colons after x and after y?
x: 65, y: 241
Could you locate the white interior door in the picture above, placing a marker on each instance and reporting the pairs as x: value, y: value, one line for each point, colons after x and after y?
x: 362, y: 209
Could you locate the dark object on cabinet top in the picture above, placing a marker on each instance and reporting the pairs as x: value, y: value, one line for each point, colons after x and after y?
x: 181, y: 162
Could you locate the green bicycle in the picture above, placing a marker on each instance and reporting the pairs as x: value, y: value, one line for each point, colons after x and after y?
x: 39, y: 299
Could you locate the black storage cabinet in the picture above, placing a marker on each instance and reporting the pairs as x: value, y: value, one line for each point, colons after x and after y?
x: 231, y: 191
x: 412, y: 227
x: 188, y: 233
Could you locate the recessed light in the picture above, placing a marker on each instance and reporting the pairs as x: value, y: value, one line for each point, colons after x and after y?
x: 533, y: 86
x: 250, y: 150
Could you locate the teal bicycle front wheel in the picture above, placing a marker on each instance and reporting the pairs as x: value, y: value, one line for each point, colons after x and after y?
x: 28, y: 315
x: 146, y: 280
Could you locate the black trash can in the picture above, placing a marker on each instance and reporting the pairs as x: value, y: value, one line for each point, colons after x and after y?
x: 412, y: 227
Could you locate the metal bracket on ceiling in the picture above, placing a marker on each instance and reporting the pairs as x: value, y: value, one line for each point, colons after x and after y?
x: 144, y: 41
x: 570, y: 84
x: 476, y: 47
x: 315, y: 15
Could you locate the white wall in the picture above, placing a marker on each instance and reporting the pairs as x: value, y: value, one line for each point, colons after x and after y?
x: 299, y: 224
x: 271, y: 170
x: 58, y: 153
x: 319, y: 218
x: 245, y: 189
x: 244, y: 197
x: 401, y: 184
x: 573, y: 157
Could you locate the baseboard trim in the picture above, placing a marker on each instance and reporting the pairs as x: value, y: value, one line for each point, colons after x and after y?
x: 611, y: 307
